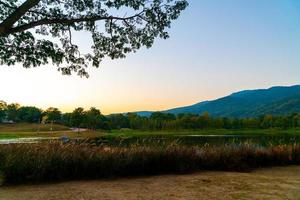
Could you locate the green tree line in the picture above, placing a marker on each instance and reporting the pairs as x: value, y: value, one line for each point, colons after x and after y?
x: 93, y: 119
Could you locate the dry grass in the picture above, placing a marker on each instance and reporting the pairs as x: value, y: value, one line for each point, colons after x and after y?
x: 21, y: 130
x: 273, y: 183
x: 20, y: 163
x: 54, y: 134
x: 28, y: 127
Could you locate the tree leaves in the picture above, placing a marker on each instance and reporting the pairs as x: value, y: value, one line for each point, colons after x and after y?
x: 126, y: 26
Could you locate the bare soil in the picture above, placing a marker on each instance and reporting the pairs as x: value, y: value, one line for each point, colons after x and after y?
x: 271, y: 183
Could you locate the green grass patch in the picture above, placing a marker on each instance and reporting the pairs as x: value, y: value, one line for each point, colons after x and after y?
x: 24, y: 130
x: 49, y: 134
x: 133, y: 133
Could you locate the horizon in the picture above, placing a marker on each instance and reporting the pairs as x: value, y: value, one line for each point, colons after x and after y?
x: 216, y: 48
x: 137, y: 111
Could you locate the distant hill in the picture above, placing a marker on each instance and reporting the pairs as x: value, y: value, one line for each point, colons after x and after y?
x: 249, y: 103
x: 144, y: 113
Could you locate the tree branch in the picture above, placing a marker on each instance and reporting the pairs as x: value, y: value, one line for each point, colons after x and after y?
x: 30, y: 11
x: 70, y: 35
x: 66, y: 21
x: 16, y: 15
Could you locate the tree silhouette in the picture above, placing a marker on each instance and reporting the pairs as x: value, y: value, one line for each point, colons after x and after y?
x: 36, y: 32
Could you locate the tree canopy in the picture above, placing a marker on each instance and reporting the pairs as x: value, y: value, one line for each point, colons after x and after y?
x: 53, y: 114
x: 36, y: 32
x: 93, y: 119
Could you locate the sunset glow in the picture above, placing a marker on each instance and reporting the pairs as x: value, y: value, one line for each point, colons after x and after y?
x: 216, y: 48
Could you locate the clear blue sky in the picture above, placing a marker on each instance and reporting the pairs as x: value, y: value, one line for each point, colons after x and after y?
x: 216, y: 47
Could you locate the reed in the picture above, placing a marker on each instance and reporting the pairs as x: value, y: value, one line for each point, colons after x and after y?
x: 55, y: 161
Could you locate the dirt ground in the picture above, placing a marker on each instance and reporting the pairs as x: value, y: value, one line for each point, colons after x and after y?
x: 273, y: 183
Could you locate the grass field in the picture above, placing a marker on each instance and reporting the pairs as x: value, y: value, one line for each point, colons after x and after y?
x: 48, y: 134
x: 44, y: 130
x: 127, y: 136
x: 26, y: 127
x: 24, y: 130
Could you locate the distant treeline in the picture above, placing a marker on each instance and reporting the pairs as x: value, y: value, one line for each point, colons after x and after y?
x: 93, y: 119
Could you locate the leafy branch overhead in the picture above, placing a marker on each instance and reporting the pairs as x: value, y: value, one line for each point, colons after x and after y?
x: 36, y: 32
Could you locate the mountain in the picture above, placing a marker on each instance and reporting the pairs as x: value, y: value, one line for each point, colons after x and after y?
x: 248, y: 103
x: 144, y: 113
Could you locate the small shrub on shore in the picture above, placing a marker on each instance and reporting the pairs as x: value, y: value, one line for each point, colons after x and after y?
x: 20, y: 163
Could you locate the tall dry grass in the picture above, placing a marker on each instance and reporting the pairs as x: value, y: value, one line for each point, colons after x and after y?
x: 20, y: 163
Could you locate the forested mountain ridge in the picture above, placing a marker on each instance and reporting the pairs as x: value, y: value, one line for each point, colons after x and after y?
x: 280, y: 100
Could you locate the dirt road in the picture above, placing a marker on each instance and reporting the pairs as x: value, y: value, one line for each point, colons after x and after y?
x: 273, y: 183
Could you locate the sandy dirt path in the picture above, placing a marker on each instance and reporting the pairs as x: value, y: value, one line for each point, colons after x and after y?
x: 272, y: 183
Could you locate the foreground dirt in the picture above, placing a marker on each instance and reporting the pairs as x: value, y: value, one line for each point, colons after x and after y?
x: 273, y: 183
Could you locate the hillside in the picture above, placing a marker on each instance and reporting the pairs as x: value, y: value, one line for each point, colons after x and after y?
x: 248, y: 103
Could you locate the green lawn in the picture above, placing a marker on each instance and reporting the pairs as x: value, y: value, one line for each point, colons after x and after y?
x: 9, y: 131
x: 267, y: 132
x: 23, y: 130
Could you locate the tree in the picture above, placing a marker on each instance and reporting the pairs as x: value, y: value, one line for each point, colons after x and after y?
x: 3, y: 107
x: 217, y: 123
x: 267, y: 121
x: 118, y: 121
x: 29, y: 114
x: 204, y: 120
x: 296, y: 120
x: 53, y: 114
x: 162, y: 116
x: 12, y: 111
x: 27, y: 24
x: 77, y: 117
x: 93, y: 118
x: 66, y: 119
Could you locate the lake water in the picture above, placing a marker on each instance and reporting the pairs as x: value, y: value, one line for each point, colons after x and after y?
x: 181, y: 139
x: 27, y: 140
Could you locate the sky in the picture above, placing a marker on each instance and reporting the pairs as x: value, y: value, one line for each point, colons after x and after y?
x: 217, y: 47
